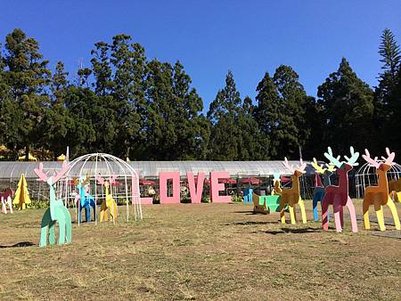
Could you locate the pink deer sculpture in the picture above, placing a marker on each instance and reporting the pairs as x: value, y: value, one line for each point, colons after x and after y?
x: 6, y: 200
x: 338, y: 196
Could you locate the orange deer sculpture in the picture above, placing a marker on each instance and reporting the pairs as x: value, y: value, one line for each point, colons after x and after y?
x: 379, y: 196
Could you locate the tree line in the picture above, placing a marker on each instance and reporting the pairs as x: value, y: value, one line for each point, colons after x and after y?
x: 127, y: 105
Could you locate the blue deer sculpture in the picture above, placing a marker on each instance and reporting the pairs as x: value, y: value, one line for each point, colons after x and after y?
x: 318, y: 192
x: 84, y: 199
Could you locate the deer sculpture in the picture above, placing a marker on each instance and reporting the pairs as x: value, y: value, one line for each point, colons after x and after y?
x: 379, y: 196
x: 266, y: 204
x: 6, y: 200
x: 84, y: 199
x: 394, y: 187
x: 277, y: 190
x: 109, y: 205
x: 338, y: 196
x: 292, y: 196
x: 318, y: 192
x: 57, y: 211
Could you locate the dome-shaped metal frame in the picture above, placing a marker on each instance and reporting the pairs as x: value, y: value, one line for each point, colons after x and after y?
x: 104, y: 165
x: 366, y: 176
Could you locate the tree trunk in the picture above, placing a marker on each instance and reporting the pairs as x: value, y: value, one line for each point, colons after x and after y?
x: 27, y: 153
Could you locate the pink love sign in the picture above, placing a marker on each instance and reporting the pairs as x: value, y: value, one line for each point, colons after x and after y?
x: 196, y: 185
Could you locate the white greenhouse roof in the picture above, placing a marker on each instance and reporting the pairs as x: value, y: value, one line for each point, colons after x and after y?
x: 149, y: 169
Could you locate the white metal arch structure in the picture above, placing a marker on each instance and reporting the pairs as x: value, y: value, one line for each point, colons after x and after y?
x: 105, y: 165
x: 366, y: 176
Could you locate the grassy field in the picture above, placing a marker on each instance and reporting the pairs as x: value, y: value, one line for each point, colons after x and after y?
x: 199, y: 252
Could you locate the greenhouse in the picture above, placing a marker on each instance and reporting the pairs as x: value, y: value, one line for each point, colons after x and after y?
x: 258, y: 174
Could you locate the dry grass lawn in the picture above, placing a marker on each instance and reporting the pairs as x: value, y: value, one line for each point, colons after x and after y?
x: 199, y: 252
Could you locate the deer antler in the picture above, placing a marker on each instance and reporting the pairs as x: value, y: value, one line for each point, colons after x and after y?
x: 60, y: 174
x: 390, y: 157
x: 112, y: 179
x: 301, y: 168
x: 317, y: 167
x: 86, y: 180
x: 40, y: 173
x: 371, y: 161
x: 354, y: 156
x: 75, y: 181
x: 287, y: 165
x: 100, y: 180
x: 331, y: 168
x: 335, y: 161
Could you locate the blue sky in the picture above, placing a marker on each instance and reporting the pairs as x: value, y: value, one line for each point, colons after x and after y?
x: 210, y: 37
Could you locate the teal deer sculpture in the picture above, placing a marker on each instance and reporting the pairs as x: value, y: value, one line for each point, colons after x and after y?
x: 57, y: 211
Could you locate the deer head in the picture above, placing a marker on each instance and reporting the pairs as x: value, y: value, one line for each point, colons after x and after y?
x: 50, y: 180
x: 318, y: 168
x: 106, y: 183
x: 81, y: 181
x: 384, y: 164
x: 276, y: 177
x: 345, y: 165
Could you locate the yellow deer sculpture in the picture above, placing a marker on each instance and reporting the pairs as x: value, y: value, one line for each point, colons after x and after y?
x: 292, y: 196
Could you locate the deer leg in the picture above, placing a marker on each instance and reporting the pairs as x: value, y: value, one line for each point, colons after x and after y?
x: 315, y: 201
x: 303, y: 212
x: 101, y: 215
x: 365, y: 208
x: 52, y: 233
x: 352, y: 214
x: 292, y: 214
x: 337, y: 214
x: 341, y: 216
x: 61, y: 230
x: 295, y: 211
x: 79, y: 212
x: 394, y: 213
x: 46, y: 220
x: 115, y: 212
x: 68, y: 227
x: 282, y: 214
x: 325, y: 209
x: 88, y: 213
x: 398, y: 196
x: 94, y: 209
x: 103, y: 209
x: 379, y: 214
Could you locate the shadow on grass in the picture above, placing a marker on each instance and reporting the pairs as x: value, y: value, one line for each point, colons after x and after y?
x: 252, y: 223
x: 21, y: 244
x: 293, y: 230
x: 247, y: 212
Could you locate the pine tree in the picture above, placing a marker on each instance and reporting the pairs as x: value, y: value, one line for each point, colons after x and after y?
x: 176, y: 129
x: 348, y: 109
x: 386, y: 101
x: 235, y: 134
x: 252, y: 145
x: 130, y: 65
x: 27, y: 76
x: 268, y: 114
x: 293, y: 98
x: 192, y: 127
x: 391, y: 56
x: 102, y: 69
x: 281, y: 113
